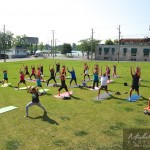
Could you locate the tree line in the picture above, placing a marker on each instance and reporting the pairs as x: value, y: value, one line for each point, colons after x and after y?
x: 87, y: 46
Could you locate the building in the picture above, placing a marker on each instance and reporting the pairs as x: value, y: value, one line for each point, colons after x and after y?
x: 128, y: 50
x: 17, y: 52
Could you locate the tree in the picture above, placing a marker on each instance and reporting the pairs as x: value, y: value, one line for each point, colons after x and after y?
x: 7, y: 43
x: 86, y: 44
x: 116, y: 41
x: 66, y: 48
x: 41, y: 46
x: 109, y: 42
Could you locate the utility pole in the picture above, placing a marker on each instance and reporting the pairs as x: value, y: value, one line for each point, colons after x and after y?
x: 51, y: 47
x: 92, y: 45
x: 53, y: 42
x: 4, y: 45
x: 55, y: 47
x: 118, y: 53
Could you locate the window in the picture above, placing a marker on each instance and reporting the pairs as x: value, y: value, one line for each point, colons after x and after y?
x: 113, y: 51
x: 133, y: 51
x: 124, y: 51
x: 146, y: 52
x: 100, y: 51
x: 106, y: 51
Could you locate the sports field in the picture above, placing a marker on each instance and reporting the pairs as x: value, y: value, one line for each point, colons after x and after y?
x: 81, y: 123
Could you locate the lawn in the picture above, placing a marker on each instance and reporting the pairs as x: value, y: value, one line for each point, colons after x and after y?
x: 81, y: 123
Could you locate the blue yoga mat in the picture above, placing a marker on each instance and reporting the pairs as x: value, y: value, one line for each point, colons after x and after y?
x: 134, y: 98
x: 8, y: 108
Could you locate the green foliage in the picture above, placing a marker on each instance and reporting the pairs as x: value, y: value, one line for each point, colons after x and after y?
x: 8, y: 36
x: 41, y: 46
x: 86, y: 44
x: 109, y: 42
x: 66, y: 48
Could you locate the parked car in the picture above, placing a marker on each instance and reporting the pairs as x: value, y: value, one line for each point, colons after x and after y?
x: 2, y: 56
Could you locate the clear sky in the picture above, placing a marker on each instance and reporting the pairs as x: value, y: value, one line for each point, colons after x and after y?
x: 73, y: 20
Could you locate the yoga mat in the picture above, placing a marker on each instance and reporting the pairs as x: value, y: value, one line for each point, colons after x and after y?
x: 103, y: 96
x: 95, y: 89
x: 8, y: 108
x: 5, y: 85
x: 65, y: 94
x: 134, y: 98
x: 45, y: 90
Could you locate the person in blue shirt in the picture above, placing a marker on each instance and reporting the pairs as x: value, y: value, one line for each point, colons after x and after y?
x: 38, y: 83
x: 5, y: 76
x: 95, y: 78
x: 73, y: 76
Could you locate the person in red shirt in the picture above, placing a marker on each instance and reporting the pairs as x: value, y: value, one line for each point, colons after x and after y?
x: 22, y: 79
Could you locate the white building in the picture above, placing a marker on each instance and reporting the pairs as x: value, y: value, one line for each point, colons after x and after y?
x: 125, y: 52
x: 17, y: 52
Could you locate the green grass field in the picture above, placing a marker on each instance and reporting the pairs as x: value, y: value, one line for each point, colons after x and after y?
x: 77, y: 124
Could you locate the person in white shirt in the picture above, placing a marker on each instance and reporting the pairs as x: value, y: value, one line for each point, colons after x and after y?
x: 103, y: 86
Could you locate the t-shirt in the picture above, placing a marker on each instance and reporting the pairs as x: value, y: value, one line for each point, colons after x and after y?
x: 52, y: 73
x: 73, y: 75
x: 135, y: 79
x: 104, y: 80
x: 5, y: 75
x: 95, y: 77
x: 35, y: 98
x: 38, y: 82
x: 21, y: 76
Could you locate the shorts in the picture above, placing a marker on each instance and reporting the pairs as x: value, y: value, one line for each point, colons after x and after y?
x: 5, y: 78
x: 39, y: 85
x: 135, y: 87
x: 22, y: 81
x: 104, y: 87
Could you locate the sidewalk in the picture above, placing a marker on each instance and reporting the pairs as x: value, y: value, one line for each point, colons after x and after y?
x: 49, y: 57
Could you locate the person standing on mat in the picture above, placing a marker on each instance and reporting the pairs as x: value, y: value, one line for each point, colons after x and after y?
x: 5, y: 76
x: 73, y: 76
x: 114, y: 70
x: 26, y: 71
x: 63, y: 84
x: 108, y: 72
x: 52, y: 75
x: 104, y: 79
x: 86, y: 72
x: 135, y: 82
x: 22, y: 79
x: 35, y: 100
x: 33, y: 72
x: 38, y: 82
x: 95, y: 78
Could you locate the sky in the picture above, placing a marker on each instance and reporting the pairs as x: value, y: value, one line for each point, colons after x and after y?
x: 73, y: 20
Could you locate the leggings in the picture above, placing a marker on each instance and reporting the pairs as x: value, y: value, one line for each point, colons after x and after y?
x: 32, y: 104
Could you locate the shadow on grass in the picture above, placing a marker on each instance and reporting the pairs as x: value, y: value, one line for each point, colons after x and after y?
x: 81, y: 133
x: 144, y: 85
x: 118, y: 126
x: 59, y: 142
x: 140, y: 121
x: 46, y: 118
x: 143, y: 98
x: 76, y: 98
x: 65, y: 118
x: 12, y: 144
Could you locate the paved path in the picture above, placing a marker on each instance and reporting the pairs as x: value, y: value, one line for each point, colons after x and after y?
x: 49, y: 57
